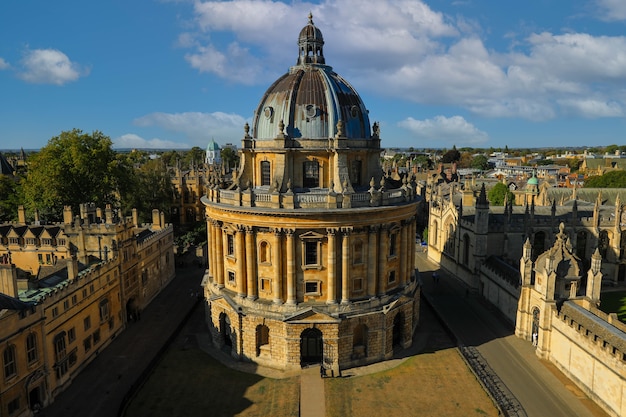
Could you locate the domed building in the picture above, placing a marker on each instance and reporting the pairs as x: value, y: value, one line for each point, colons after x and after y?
x: 311, y: 246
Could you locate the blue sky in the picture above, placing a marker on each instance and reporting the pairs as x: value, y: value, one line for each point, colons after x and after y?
x: 178, y: 73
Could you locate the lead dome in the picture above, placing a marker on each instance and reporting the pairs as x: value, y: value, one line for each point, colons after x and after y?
x: 311, y: 99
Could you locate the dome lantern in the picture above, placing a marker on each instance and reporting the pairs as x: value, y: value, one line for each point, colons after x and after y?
x: 311, y: 44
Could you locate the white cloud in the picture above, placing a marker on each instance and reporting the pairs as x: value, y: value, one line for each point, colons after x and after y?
x: 200, y: 128
x: 452, y: 130
x: 403, y: 49
x: 49, y: 66
x: 612, y: 10
x: 3, y: 64
x: 130, y: 140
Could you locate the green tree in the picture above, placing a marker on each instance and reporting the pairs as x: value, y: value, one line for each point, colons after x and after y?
x: 73, y: 168
x: 229, y: 157
x: 612, y: 179
x: 498, y: 194
x: 9, y: 200
x: 453, y: 155
x: 150, y: 187
x: 194, y: 156
x: 480, y: 162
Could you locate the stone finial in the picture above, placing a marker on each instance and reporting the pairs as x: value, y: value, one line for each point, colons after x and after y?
x: 246, y: 128
x: 281, y: 127
x: 340, y: 128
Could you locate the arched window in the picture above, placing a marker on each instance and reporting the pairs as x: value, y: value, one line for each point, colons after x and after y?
x: 311, y: 177
x: 9, y: 362
x: 581, y: 244
x: 466, y: 249
x: 357, y: 256
x: 265, y: 173
x: 604, y: 243
x: 355, y: 173
x: 31, y: 348
x: 264, y: 252
x: 539, y: 244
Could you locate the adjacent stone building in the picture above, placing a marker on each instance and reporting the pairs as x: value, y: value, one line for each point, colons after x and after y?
x: 311, y: 248
x: 66, y: 290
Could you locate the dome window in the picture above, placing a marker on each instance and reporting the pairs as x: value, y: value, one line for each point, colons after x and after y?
x: 354, y: 111
x: 311, y: 111
x: 268, y: 112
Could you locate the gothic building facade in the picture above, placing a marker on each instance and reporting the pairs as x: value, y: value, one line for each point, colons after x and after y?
x: 311, y: 247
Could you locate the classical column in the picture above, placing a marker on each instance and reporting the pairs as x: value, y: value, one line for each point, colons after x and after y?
x: 277, y: 262
x: 383, y: 250
x: 412, y: 247
x: 219, y: 256
x: 211, y: 248
x: 251, y: 263
x: 241, y: 262
x: 330, y: 278
x: 345, y: 265
x: 372, y: 261
x: 404, y: 259
x: 291, y: 268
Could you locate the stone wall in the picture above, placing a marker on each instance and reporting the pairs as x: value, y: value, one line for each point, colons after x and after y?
x: 592, y: 353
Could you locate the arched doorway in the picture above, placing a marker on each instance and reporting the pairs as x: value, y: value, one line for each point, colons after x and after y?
x: 398, y: 327
x: 535, y: 326
x: 311, y: 346
x: 225, y: 330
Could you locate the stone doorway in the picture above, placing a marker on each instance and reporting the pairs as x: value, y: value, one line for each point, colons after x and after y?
x: 311, y: 346
x: 225, y: 330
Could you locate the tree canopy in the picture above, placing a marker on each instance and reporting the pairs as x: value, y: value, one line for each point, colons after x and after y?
x: 73, y: 168
x: 612, y: 179
x: 480, y: 162
x: 451, y: 156
x: 498, y: 194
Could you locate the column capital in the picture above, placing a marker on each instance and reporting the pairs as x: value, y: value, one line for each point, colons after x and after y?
x: 277, y: 230
x: 373, y: 229
x: 332, y: 230
x: 249, y: 230
x: 289, y: 232
x: 347, y: 230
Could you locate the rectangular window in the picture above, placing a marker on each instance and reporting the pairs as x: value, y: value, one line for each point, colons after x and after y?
x: 104, y: 310
x: 40, y: 258
x: 311, y: 287
x: 357, y: 284
x: 71, y: 335
x: 231, y: 277
x: 111, y: 323
x: 265, y: 173
x: 87, y: 322
x: 310, y: 256
x: 265, y: 284
x: 87, y: 344
x: 48, y: 259
x: 74, y: 299
x: 311, y: 177
x: 66, y: 304
x: 55, y: 311
x: 392, y: 245
x: 392, y: 277
x: 230, y: 241
x: 13, y: 406
x: 96, y: 336
x: 85, y: 293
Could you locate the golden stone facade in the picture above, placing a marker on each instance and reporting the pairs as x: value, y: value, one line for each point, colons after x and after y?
x: 311, y: 248
x: 67, y: 290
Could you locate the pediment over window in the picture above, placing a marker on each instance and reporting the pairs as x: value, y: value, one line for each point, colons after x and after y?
x: 312, y: 235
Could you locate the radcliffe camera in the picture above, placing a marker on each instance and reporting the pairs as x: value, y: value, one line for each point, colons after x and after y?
x: 252, y: 208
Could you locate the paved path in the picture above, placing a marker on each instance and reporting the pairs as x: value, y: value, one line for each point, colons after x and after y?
x: 312, y: 400
x: 538, y: 385
x: 99, y: 389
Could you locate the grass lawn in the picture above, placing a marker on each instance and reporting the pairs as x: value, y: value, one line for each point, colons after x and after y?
x: 614, y: 302
x: 429, y: 384
x: 192, y: 383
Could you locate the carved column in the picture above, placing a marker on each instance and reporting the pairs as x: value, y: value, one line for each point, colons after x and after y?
x: 331, y: 267
x: 372, y: 261
x: 404, y: 253
x: 241, y: 262
x: 251, y: 263
x: 412, y: 246
x: 219, y: 255
x: 211, y: 249
x: 383, y: 249
x: 291, y: 268
x: 345, y: 265
x: 277, y: 263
